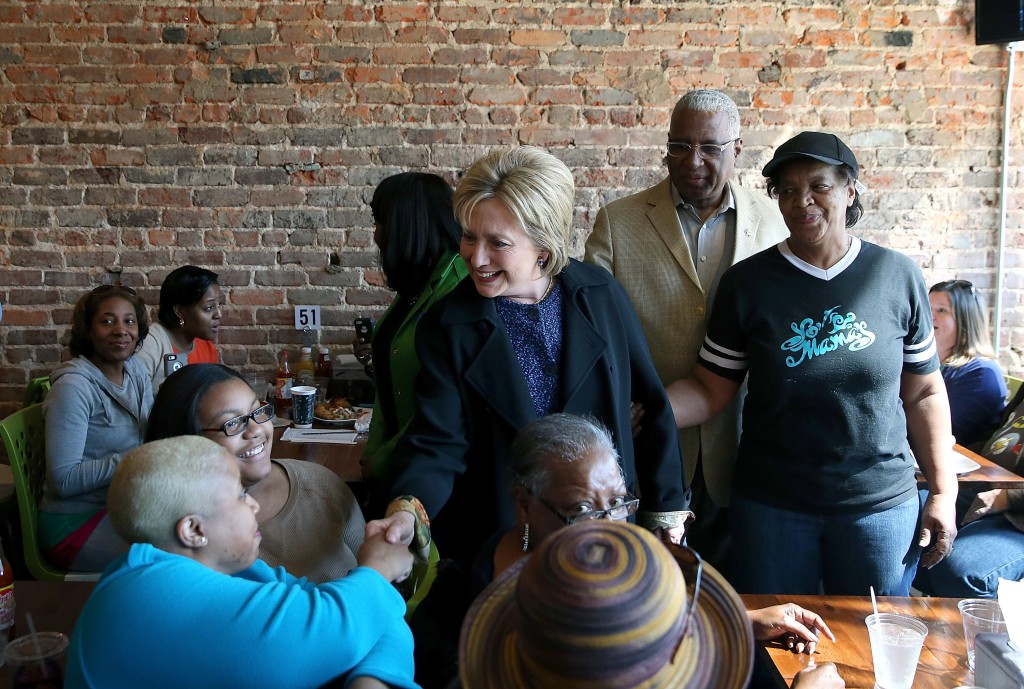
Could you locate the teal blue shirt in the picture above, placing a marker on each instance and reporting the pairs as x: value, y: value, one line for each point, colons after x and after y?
x: 165, y: 621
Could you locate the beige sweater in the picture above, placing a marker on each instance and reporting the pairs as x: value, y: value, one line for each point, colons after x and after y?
x: 320, y: 528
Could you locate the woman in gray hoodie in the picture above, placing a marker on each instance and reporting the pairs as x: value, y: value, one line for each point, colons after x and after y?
x: 95, y: 411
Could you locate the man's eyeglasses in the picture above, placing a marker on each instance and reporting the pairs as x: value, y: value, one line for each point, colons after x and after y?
x: 240, y: 423
x: 617, y: 513
x: 678, y: 149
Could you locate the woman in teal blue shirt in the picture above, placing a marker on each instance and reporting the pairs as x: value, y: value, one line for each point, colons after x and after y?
x: 418, y: 237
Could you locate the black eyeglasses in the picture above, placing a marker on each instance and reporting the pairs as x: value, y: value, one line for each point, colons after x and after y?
x: 240, y: 423
x: 617, y: 513
x: 678, y: 149
x: 949, y: 284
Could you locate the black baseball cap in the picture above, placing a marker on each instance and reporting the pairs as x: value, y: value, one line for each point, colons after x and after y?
x: 828, y: 148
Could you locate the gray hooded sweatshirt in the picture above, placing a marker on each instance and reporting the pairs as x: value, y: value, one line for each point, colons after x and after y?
x: 90, y: 423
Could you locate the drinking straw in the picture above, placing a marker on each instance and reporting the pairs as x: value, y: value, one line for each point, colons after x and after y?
x: 874, y: 601
x: 35, y: 641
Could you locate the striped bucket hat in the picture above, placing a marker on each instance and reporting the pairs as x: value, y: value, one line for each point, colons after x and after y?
x: 604, y: 605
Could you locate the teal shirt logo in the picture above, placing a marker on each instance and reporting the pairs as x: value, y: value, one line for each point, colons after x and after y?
x: 833, y: 332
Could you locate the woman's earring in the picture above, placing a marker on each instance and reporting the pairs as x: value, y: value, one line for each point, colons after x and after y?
x: 526, y: 537
x: 202, y: 540
x: 181, y: 322
x: 542, y: 262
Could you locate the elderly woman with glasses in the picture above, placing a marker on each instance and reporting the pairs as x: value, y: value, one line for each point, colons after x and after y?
x: 974, y: 381
x: 530, y: 333
x: 95, y: 412
x: 834, y: 337
x: 309, y: 518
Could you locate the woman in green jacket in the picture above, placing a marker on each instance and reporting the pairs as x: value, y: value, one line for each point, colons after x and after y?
x: 418, y: 237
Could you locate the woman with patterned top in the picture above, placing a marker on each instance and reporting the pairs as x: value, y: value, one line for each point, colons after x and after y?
x: 835, y: 337
x: 532, y: 332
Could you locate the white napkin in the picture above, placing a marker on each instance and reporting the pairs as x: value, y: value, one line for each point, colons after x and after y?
x: 319, y: 435
x: 1011, y: 602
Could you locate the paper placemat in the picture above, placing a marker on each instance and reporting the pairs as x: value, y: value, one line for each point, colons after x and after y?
x: 319, y: 435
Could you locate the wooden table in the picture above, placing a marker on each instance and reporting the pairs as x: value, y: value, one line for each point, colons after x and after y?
x: 341, y: 459
x: 943, y: 662
x: 55, y: 607
x: 989, y: 472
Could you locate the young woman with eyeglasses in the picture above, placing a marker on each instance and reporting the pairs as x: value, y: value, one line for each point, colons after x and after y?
x: 95, y: 412
x: 310, y: 520
x: 974, y: 380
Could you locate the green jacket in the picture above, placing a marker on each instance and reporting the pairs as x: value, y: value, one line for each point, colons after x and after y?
x: 405, y: 366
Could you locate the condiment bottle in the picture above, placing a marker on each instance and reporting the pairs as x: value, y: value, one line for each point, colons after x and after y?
x: 283, y: 386
x: 324, y: 369
x: 6, y: 601
x: 307, y: 369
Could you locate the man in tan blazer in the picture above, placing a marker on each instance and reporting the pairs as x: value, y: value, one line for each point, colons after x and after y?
x: 669, y: 245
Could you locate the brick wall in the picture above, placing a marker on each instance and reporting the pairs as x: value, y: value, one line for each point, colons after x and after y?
x: 248, y: 137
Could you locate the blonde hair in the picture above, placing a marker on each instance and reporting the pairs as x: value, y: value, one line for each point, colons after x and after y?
x: 158, y: 483
x: 535, y: 186
x: 972, y: 337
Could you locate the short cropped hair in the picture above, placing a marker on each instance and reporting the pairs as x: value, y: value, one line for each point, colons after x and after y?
x: 158, y: 483
x: 563, y: 438
x: 972, y: 336
x: 176, y: 407
x: 418, y: 227
x: 535, y: 186
x: 88, y: 305
x: 183, y: 286
x: 709, y: 100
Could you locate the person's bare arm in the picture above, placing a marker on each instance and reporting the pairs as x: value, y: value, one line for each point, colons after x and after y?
x: 819, y: 676
x: 700, y: 397
x: 930, y: 435
x: 367, y: 683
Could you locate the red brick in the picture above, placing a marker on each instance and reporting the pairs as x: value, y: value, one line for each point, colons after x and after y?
x: 33, y: 75
x: 113, y: 14
x: 538, y: 37
x: 286, y: 13
x: 421, y: 34
x: 52, y: 55
x: 403, y: 13
x: 405, y: 55
x: 277, y: 55
x: 347, y: 13
x: 79, y: 34
x: 55, y: 14
x: 521, y: 15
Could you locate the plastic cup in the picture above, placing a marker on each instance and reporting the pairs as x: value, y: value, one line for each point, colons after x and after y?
x: 303, y: 401
x: 896, y: 642
x: 321, y: 388
x: 37, y: 660
x: 980, y: 615
x: 257, y: 380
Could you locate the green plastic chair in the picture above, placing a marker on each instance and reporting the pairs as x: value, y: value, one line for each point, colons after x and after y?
x: 417, y: 586
x: 36, y: 391
x: 24, y: 437
x: 1012, y: 386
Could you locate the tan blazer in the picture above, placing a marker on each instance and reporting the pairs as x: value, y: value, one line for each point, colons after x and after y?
x: 638, y: 238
